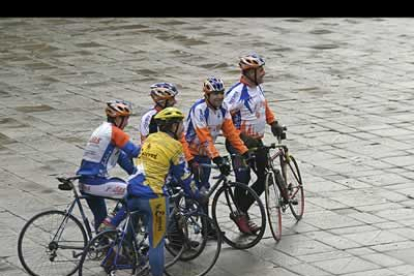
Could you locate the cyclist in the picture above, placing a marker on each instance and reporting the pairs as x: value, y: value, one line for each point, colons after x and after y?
x: 207, y: 117
x: 250, y: 112
x: 163, y: 94
x: 107, y: 146
x: 161, y: 158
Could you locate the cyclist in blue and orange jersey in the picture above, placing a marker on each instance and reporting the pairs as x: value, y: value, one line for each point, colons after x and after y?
x: 163, y: 94
x: 207, y: 118
x: 250, y: 112
x: 107, y: 146
x: 161, y: 159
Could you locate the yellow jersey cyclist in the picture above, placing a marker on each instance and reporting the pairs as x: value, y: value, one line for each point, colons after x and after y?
x: 161, y: 159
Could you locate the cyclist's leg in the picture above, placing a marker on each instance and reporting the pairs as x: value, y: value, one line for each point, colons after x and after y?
x: 98, y: 208
x: 113, y: 187
x: 242, y: 173
x: 204, y: 176
x: 156, y: 212
x: 259, y: 185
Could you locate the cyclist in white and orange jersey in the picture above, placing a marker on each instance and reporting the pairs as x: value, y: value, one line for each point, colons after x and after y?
x: 206, y: 119
x: 107, y: 146
x: 250, y: 112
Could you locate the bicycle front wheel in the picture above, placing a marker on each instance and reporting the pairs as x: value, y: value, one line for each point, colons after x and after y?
x: 109, y: 253
x: 273, y: 206
x: 50, y: 243
x: 229, y: 217
x: 200, y: 253
x: 295, y: 187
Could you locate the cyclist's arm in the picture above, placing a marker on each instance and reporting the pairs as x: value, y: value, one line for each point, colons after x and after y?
x: 181, y: 172
x: 233, y: 135
x: 126, y: 163
x: 270, y: 117
x: 186, y: 149
x: 121, y: 140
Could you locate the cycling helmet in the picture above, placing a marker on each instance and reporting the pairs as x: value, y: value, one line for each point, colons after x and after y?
x: 169, y: 115
x: 163, y: 91
x: 251, y: 61
x: 212, y: 85
x: 118, y: 108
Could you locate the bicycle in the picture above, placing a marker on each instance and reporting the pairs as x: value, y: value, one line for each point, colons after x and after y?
x: 225, y: 206
x: 200, y: 252
x: 289, y: 192
x: 52, y: 241
x: 125, y: 251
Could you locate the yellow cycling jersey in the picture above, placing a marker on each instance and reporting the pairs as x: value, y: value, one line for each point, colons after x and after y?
x: 161, y: 156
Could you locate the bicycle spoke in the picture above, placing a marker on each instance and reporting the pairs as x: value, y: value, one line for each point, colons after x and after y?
x: 44, y: 252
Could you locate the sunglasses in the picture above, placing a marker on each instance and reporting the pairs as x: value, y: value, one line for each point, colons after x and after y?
x: 217, y: 92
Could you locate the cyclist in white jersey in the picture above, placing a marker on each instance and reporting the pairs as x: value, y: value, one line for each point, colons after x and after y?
x: 250, y: 112
x: 107, y: 146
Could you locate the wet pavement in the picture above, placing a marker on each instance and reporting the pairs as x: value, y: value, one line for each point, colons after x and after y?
x: 342, y: 86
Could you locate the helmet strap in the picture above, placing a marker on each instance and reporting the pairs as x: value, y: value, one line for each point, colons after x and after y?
x: 249, y: 78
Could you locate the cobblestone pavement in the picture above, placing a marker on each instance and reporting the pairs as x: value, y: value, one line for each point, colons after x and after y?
x: 342, y: 86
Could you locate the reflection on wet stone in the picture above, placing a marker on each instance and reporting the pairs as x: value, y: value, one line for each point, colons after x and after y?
x: 325, y: 46
x: 36, y: 108
x: 320, y: 31
x: 4, y: 140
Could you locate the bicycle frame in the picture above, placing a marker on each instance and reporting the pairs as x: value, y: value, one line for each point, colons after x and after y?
x: 69, y: 211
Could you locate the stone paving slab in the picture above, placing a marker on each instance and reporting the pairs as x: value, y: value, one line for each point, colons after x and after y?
x: 341, y: 85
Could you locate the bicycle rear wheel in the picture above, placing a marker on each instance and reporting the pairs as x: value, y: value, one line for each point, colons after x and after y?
x: 225, y: 208
x: 273, y: 205
x: 50, y: 243
x: 294, y: 186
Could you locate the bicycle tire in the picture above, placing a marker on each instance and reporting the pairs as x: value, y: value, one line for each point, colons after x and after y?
x: 273, y: 206
x: 175, y: 249
x: 295, y: 187
x: 199, y: 260
x: 109, y: 251
x: 32, y: 232
x: 227, y: 230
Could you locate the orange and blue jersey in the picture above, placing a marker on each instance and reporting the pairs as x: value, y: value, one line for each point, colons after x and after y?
x: 204, y: 124
x: 107, y: 146
x: 161, y: 160
x: 249, y: 109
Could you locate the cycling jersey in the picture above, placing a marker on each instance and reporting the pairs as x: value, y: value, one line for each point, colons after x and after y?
x: 107, y: 146
x: 149, y: 126
x: 249, y: 109
x: 204, y: 124
x: 161, y: 159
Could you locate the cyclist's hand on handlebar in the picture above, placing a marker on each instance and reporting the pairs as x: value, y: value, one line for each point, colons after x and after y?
x: 277, y: 129
x: 249, y: 157
x: 223, y: 165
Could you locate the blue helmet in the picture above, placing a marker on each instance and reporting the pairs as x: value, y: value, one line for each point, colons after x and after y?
x: 213, y: 84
